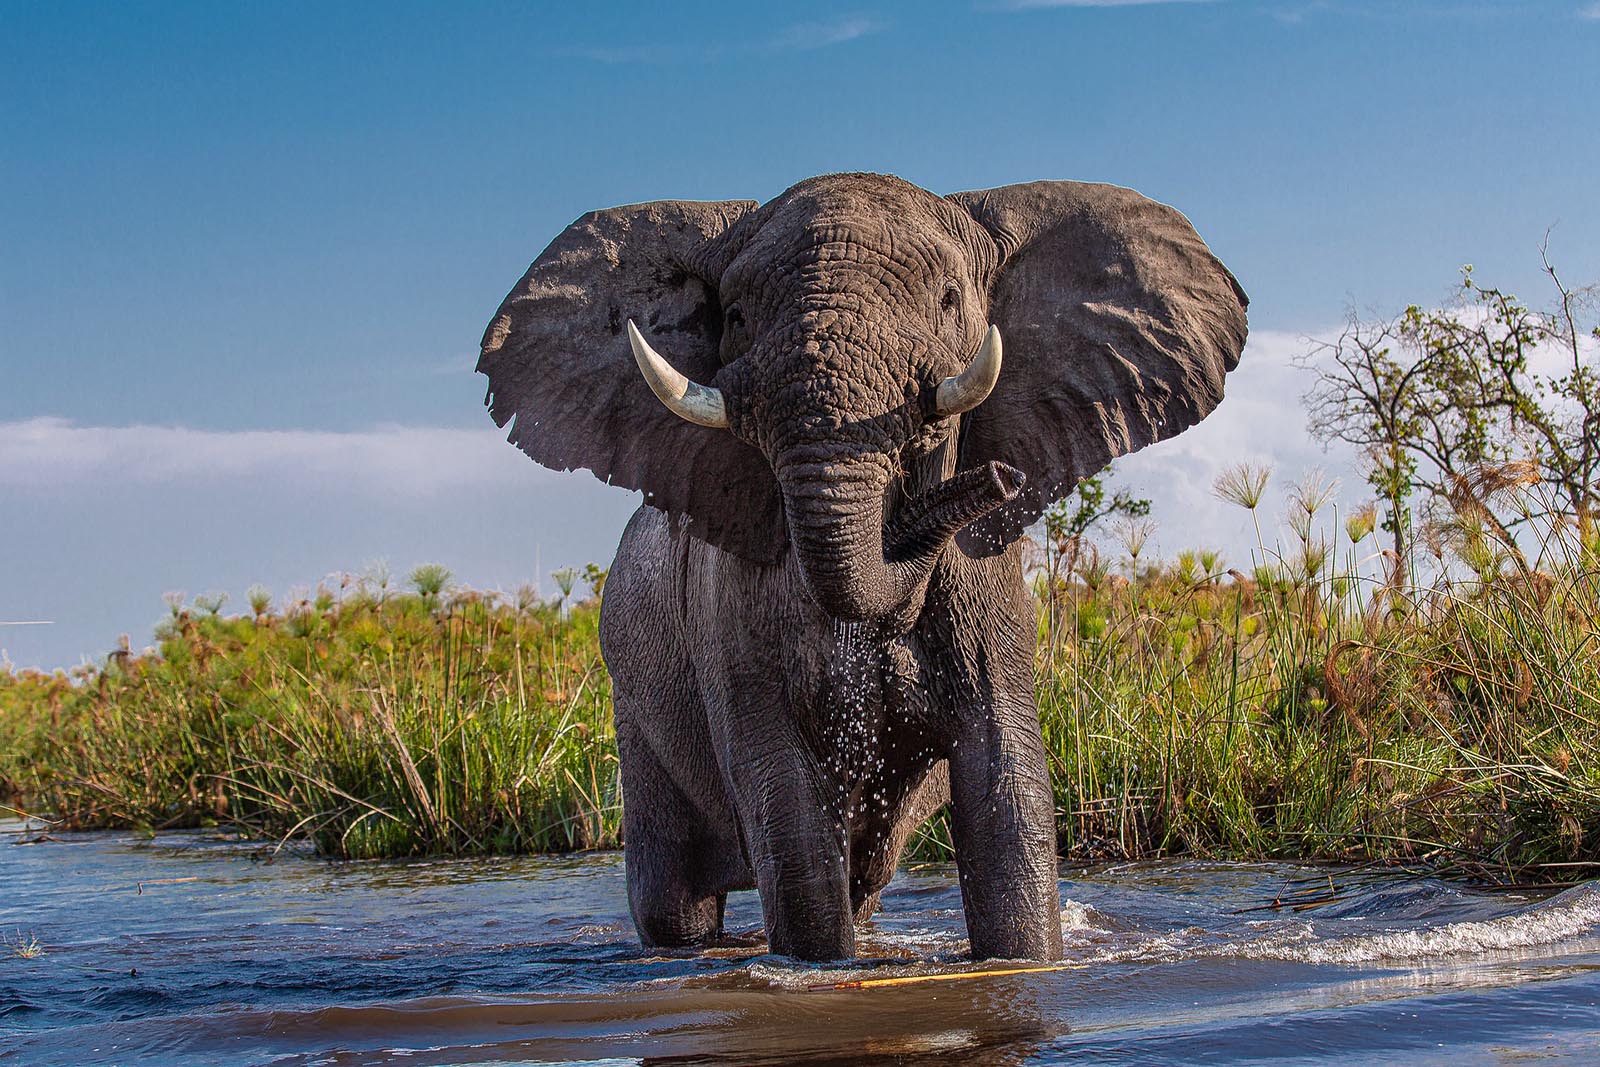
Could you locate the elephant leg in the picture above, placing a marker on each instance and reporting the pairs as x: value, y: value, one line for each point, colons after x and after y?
x: 675, y: 862
x: 796, y: 840
x: 1004, y: 823
x: 681, y: 839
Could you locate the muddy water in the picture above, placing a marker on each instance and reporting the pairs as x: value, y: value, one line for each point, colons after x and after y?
x: 220, y: 957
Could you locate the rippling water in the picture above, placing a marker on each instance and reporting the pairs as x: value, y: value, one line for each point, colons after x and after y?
x: 221, y: 957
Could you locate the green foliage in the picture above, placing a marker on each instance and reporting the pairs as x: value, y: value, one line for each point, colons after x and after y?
x: 1076, y: 515
x: 1293, y: 714
x: 564, y: 578
x: 1066, y: 528
x: 375, y: 727
x: 594, y: 576
x: 430, y: 580
x: 1434, y: 395
x: 259, y: 598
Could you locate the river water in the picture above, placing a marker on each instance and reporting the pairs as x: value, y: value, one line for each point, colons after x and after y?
x: 192, y: 949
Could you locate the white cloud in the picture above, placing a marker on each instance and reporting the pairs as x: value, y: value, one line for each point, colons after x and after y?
x: 796, y: 37
x: 97, y: 522
x: 1389, y: 11
x: 1259, y: 421
x: 412, y: 461
x: 808, y: 35
x: 1590, y: 12
x: 1262, y: 421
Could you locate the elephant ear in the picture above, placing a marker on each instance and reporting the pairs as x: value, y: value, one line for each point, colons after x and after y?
x: 1119, y: 325
x: 560, y: 366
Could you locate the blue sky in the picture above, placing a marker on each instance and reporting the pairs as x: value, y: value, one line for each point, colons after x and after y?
x: 249, y: 249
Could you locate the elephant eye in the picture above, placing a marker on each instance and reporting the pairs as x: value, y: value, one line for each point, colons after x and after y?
x: 734, y: 317
x: 951, y: 299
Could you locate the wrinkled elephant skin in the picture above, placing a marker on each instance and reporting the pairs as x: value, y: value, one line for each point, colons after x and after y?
x: 817, y: 626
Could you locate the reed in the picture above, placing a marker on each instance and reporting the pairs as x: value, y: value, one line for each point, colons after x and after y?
x: 1313, y: 709
x: 376, y: 726
x: 1306, y: 707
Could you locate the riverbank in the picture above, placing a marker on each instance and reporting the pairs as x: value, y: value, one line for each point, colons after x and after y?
x: 1306, y: 711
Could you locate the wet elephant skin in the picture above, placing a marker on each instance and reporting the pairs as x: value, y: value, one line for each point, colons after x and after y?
x: 817, y: 626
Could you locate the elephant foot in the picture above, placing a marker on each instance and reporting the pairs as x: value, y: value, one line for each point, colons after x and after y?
x: 682, y: 923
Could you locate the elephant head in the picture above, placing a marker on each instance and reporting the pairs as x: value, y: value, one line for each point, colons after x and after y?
x: 770, y: 372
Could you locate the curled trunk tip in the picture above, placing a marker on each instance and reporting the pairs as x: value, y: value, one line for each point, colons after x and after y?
x: 857, y: 568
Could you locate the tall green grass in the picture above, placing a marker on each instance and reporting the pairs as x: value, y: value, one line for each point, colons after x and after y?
x: 374, y: 725
x: 1313, y: 709
x: 1306, y: 706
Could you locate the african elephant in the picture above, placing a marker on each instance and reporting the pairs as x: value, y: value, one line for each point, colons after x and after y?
x: 843, y: 407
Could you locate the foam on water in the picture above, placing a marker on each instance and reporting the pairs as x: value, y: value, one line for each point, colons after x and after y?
x: 1076, y: 916
x: 1570, y: 919
x: 1572, y: 915
x: 1094, y: 938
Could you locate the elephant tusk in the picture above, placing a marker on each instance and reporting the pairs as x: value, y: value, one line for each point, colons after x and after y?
x: 699, y: 404
x: 965, y: 391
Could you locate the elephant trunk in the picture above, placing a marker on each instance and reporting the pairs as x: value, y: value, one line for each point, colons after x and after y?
x: 860, y: 568
x: 919, y: 534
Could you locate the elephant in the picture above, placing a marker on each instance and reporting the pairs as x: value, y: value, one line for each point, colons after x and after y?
x: 843, y: 408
